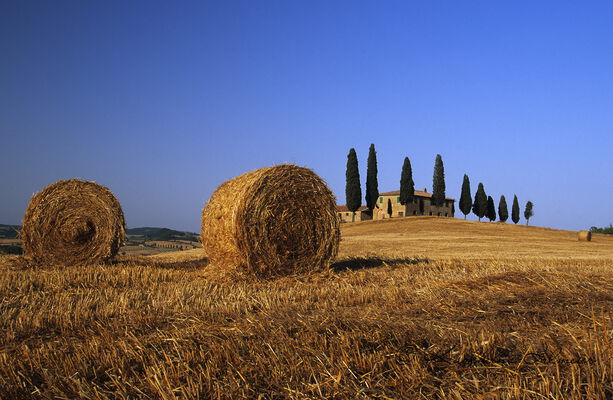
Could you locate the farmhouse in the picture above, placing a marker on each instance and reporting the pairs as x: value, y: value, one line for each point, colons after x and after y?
x: 345, y: 215
x: 421, y: 205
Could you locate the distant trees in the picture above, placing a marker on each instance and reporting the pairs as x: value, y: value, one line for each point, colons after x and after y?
x: 407, y: 186
x: 466, y: 201
x: 480, y: 203
x: 491, y: 209
x: 389, y: 207
x: 607, y: 230
x: 503, y: 211
x: 353, y: 190
x: 438, y: 182
x: 372, y: 186
x: 515, y: 210
x: 528, y: 212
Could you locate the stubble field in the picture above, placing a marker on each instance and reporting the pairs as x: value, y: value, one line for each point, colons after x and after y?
x: 414, y: 308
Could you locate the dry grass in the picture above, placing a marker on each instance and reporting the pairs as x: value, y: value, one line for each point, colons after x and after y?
x: 496, y: 312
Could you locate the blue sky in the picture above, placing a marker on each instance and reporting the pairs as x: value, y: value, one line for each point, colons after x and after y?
x: 164, y: 101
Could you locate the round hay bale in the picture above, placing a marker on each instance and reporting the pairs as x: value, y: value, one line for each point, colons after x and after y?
x: 272, y: 221
x: 585, y: 236
x: 73, y: 222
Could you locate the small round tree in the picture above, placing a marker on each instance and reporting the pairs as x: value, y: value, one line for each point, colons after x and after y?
x: 528, y: 212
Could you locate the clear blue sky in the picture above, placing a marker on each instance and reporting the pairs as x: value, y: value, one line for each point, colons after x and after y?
x: 164, y: 101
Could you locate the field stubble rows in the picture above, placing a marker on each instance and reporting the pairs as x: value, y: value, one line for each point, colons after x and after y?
x: 414, y: 308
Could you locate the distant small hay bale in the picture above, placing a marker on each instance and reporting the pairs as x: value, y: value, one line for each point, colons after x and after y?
x: 73, y: 222
x: 271, y: 221
x: 585, y: 236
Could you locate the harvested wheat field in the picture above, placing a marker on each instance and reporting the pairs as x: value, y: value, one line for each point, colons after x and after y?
x: 413, y: 308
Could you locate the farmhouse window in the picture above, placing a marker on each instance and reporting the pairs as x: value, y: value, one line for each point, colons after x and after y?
x: 398, y: 199
x: 400, y: 214
x: 380, y: 199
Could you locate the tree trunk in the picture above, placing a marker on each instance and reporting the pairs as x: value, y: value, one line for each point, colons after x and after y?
x: 353, y: 217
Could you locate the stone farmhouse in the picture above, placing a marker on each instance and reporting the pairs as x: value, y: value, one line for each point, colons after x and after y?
x: 421, y: 205
x: 362, y: 214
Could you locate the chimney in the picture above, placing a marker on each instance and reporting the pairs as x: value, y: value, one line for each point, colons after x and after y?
x: 426, y: 190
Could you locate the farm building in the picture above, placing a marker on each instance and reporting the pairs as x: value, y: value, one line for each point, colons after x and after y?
x: 421, y: 205
x: 345, y: 215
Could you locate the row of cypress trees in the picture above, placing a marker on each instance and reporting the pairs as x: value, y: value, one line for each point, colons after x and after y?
x: 483, y: 205
x: 353, y: 190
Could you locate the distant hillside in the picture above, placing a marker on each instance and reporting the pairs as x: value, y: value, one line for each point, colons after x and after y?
x: 9, y: 231
x: 144, y: 233
x: 160, y: 234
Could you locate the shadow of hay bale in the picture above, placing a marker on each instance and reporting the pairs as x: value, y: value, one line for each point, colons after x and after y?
x: 354, y: 264
x: 147, y: 261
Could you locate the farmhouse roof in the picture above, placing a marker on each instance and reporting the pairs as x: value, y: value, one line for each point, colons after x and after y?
x: 345, y: 209
x: 417, y: 193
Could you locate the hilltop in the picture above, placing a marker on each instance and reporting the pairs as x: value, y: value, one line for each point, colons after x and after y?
x: 439, y: 238
x: 165, y: 234
x: 148, y: 233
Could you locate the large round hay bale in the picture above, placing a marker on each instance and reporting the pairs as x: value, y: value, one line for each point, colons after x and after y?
x: 272, y: 221
x: 73, y: 222
x: 585, y: 236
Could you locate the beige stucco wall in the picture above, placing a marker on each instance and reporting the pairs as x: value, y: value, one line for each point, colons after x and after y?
x: 413, y: 208
x: 346, y: 216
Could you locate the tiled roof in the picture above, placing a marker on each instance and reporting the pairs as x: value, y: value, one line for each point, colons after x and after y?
x: 417, y: 193
x: 345, y: 209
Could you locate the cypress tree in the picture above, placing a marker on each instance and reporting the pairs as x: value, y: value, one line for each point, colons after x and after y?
x: 503, y: 211
x: 407, y: 186
x: 438, y: 182
x: 372, y: 187
x: 528, y: 212
x: 466, y: 202
x: 480, y: 203
x: 389, y: 207
x: 515, y: 210
x: 491, y: 209
x: 353, y: 191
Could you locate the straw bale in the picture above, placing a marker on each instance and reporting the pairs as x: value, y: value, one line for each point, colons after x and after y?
x: 271, y: 221
x: 585, y: 236
x: 73, y: 222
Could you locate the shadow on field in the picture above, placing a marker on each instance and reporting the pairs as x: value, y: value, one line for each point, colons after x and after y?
x: 354, y: 264
x: 161, y: 263
x: 188, y: 264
